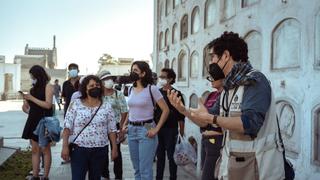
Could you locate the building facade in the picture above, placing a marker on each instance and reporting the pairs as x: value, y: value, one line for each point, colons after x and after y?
x: 283, y: 39
x: 45, y: 57
x: 10, y: 74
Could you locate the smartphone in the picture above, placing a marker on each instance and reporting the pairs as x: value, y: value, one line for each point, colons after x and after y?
x: 21, y: 92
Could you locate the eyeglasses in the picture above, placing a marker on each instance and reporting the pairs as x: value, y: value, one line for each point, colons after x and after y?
x: 210, y: 79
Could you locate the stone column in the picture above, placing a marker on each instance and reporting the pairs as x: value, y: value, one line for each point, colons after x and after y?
x: 8, y: 87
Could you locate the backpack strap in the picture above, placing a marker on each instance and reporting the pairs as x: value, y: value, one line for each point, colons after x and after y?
x: 154, y: 105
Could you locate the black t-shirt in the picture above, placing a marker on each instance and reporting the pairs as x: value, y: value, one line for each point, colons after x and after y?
x: 67, y: 90
x: 174, y: 115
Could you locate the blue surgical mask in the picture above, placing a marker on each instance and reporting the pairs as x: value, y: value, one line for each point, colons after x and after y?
x: 73, y: 73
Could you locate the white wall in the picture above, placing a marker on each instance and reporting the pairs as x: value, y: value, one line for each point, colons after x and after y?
x: 291, y: 68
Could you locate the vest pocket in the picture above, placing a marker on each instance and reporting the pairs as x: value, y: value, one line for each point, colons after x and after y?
x: 243, y: 165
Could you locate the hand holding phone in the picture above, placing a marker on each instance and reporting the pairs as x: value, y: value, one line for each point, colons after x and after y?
x: 21, y: 92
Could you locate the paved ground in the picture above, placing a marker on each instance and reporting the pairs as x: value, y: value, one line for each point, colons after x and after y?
x: 12, y: 121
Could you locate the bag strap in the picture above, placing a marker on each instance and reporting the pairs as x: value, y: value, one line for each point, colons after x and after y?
x: 87, y: 123
x: 281, y: 140
x: 154, y: 105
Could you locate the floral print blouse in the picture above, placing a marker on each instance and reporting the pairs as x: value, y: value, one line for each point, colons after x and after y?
x: 96, y: 133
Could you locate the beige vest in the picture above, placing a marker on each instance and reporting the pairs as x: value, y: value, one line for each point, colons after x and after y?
x: 250, y: 159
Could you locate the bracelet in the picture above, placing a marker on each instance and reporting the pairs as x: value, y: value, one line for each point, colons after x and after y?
x: 214, y: 119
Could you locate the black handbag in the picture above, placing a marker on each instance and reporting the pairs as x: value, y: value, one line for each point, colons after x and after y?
x: 72, y: 145
x: 288, y: 167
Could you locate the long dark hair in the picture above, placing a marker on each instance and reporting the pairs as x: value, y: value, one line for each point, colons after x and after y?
x: 144, y: 67
x: 85, y: 82
x: 41, y: 76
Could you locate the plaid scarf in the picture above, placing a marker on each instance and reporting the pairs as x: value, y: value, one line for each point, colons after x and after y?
x: 238, y: 76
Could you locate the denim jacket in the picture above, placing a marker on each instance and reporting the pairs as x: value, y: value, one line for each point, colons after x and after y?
x: 48, y: 130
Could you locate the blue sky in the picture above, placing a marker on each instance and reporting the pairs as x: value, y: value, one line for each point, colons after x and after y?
x: 84, y: 29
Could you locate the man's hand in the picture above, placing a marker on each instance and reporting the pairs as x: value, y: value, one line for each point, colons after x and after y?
x: 114, y: 153
x: 201, y: 113
x: 65, y: 153
x: 176, y: 101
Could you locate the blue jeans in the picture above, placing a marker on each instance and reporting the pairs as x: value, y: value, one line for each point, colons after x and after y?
x: 142, y: 151
x: 88, y: 159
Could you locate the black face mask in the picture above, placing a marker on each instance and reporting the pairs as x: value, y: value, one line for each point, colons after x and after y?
x: 134, y: 76
x: 95, y: 92
x: 216, y: 72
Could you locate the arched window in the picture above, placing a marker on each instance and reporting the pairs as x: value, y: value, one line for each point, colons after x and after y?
x: 317, y: 59
x: 316, y: 135
x: 160, y: 41
x: 175, y: 3
x: 184, y: 27
x: 229, y: 9
x: 168, y: 7
x: 286, y: 40
x: 193, y: 103
x: 161, y: 11
x: 182, y: 66
x: 194, y: 64
x: 206, y: 60
x: 195, y: 20
x: 167, y: 64
x: 159, y: 67
x: 175, y: 33
x: 166, y: 37
x: 205, y: 95
x: 253, y: 40
x: 210, y: 13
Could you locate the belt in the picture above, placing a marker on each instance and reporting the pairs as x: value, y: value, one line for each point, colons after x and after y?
x: 140, y: 123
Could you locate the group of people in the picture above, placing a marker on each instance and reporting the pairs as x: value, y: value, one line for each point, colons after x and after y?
x: 239, y: 136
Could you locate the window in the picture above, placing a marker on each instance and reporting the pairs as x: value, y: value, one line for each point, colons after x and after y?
x: 229, y: 9
x: 174, y: 64
x: 206, y: 60
x: 286, y: 40
x: 193, y: 103
x: 168, y: 7
x: 253, y: 40
x: 205, y: 95
x: 166, y: 37
x: 194, y: 64
x: 161, y: 13
x: 316, y: 138
x: 160, y: 41
x: 175, y: 3
x: 167, y: 64
x: 210, y: 13
x: 182, y: 66
x: 246, y: 3
x: 159, y: 67
x: 175, y: 34
x: 195, y: 20
x: 184, y: 27
x: 317, y: 43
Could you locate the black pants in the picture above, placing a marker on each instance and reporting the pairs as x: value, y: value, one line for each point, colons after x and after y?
x: 87, y: 159
x: 211, y: 154
x: 117, y: 165
x: 167, y: 141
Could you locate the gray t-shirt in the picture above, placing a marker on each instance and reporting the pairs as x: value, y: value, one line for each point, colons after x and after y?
x: 140, y: 104
x: 255, y: 104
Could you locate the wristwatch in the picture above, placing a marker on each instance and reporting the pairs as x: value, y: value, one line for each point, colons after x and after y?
x: 214, y: 119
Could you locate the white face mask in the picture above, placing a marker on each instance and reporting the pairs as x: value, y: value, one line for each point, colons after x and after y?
x: 108, y: 84
x: 34, y: 81
x: 162, y: 82
x: 73, y: 73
